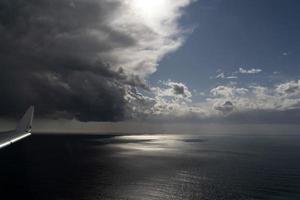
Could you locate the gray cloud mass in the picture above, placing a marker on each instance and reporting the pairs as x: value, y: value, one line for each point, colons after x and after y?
x: 79, y: 58
x: 49, y: 57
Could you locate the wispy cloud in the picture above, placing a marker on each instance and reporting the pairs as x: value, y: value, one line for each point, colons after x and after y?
x: 223, y: 76
x: 249, y: 71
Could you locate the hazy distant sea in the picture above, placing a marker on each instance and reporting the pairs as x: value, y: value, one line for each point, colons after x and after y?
x: 144, y: 167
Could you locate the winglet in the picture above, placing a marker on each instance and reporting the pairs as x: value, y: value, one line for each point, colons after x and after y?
x: 25, y: 124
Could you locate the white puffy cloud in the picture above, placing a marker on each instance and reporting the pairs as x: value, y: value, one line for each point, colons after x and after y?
x: 289, y: 88
x: 173, y: 89
x: 281, y: 97
x: 227, y: 91
x: 222, y: 101
x: 169, y: 100
x: 171, y: 97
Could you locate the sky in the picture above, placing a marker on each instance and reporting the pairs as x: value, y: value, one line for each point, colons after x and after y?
x: 234, y: 61
x: 237, y: 34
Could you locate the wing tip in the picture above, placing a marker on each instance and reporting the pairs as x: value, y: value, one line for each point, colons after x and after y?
x: 25, y: 124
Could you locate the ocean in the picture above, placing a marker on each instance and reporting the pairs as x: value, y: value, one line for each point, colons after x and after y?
x: 152, y: 166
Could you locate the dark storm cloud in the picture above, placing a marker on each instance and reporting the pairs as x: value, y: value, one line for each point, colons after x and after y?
x: 49, y: 58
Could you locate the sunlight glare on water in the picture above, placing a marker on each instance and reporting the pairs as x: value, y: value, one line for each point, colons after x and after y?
x: 149, y: 142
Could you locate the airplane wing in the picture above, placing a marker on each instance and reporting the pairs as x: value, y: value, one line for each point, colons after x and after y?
x: 23, y: 129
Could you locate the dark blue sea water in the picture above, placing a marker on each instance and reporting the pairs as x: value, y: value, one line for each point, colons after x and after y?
x: 150, y: 167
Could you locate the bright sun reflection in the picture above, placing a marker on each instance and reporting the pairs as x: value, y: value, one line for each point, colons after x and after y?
x: 150, y: 143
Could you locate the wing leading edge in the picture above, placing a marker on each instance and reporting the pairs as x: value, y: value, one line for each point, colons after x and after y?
x: 22, y: 131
